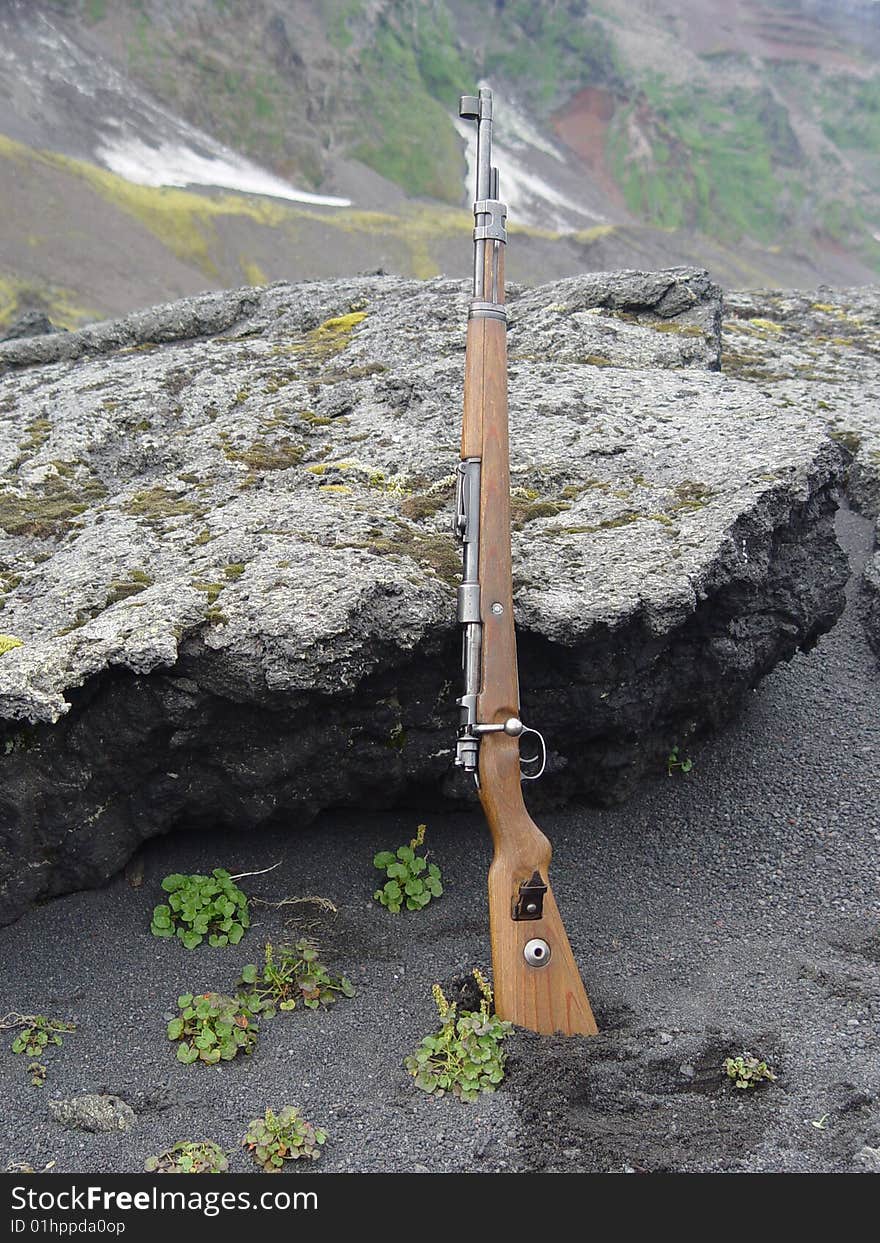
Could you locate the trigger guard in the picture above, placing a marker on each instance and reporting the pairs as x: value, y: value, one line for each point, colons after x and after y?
x: 540, y: 755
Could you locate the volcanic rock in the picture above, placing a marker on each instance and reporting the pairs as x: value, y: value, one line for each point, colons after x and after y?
x: 225, y: 550
x: 819, y: 351
x: 93, y: 1112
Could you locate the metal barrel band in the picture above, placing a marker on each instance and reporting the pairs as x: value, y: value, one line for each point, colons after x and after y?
x: 487, y: 311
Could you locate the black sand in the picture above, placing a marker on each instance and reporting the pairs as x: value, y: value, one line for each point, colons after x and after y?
x: 734, y: 908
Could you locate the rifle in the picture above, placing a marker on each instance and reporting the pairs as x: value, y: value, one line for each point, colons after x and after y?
x: 537, y: 982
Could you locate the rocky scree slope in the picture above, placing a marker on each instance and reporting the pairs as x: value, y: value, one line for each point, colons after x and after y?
x: 229, y: 582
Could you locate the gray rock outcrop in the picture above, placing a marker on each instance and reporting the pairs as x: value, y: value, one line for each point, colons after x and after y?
x: 820, y: 352
x: 225, y: 551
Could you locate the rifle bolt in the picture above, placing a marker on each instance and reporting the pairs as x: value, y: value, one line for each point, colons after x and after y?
x: 536, y: 952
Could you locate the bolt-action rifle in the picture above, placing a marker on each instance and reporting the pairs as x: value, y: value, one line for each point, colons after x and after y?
x: 537, y: 982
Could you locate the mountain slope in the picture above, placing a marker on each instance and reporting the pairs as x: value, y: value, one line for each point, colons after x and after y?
x: 743, y: 135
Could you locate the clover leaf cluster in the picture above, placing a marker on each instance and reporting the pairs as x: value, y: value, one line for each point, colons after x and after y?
x: 36, y: 1033
x: 202, y: 906
x: 466, y: 1055
x: 293, y: 973
x: 412, y: 881
x: 285, y: 1136
x: 748, y: 1071
x: 188, y: 1157
x: 213, y: 1027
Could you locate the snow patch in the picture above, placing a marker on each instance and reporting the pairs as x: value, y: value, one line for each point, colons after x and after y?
x: 530, y: 198
x: 173, y: 164
x: 514, y: 129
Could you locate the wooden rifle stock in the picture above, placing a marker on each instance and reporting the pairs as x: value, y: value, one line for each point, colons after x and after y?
x: 537, y: 982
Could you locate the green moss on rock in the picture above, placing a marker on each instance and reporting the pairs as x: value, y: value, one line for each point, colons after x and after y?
x: 211, y: 590
x: 123, y: 588
x: 49, y: 510
x: 260, y: 455
x: 159, y: 503
x: 522, y: 512
x: 423, y: 505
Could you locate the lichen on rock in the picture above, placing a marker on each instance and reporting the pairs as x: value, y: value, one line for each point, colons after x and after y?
x: 248, y: 583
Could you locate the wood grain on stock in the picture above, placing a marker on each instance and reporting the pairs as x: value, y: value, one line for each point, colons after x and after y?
x: 544, y: 999
x: 472, y: 420
x: 551, y: 998
x: 481, y: 360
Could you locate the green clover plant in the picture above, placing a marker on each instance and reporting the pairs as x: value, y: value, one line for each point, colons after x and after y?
x: 412, y: 881
x: 286, y: 1136
x: 36, y: 1034
x: 212, y: 1027
x: 202, y: 906
x: 292, y: 973
x: 466, y: 1056
x: 188, y: 1157
x: 748, y: 1071
x: 673, y: 762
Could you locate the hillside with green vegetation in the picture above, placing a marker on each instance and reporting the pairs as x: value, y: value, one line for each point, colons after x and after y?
x: 700, y: 139
x: 746, y: 138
